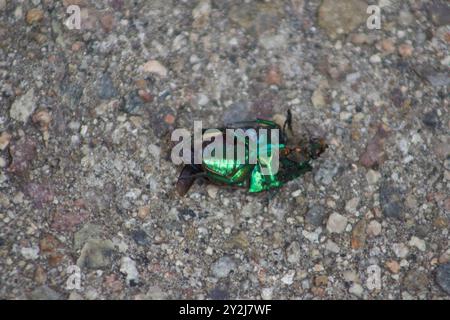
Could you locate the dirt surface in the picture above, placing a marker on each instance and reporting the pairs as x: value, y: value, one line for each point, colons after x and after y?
x: 88, y: 208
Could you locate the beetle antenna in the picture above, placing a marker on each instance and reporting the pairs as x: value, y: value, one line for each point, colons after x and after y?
x: 288, y: 122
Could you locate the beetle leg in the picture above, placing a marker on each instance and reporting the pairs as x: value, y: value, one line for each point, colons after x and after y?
x: 186, y: 179
x: 288, y: 122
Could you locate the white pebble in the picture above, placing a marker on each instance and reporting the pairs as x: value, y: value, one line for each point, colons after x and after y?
x: 202, y: 99
x: 128, y: 267
x: 154, y: 66
x: 30, y: 253
x: 418, y: 243
x: 336, y: 223
x: 374, y: 228
x: 288, y: 278
x: 373, y: 176
x: 332, y: 247
x: 400, y: 250
x: 356, y: 289
x: 352, y: 205
x: 266, y: 293
x: 375, y: 59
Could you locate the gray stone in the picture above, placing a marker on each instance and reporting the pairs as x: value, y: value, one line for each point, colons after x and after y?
x: 44, y: 293
x: 443, y: 277
x: 405, y: 18
x: 439, y: 13
x: 89, y: 231
x: 326, y: 172
x: 23, y: 107
x: 106, y: 89
x: 128, y: 267
x: 439, y: 79
x: 219, y: 293
x: 431, y: 119
x: 293, y: 253
x: 416, y: 281
x: 391, y: 200
x: 433, y: 76
x: 336, y: 223
x: 357, y: 290
x: 315, y: 216
x: 222, y: 267
x: 96, y: 254
x: 133, y: 104
x: 140, y: 237
x: 155, y: 293
x: 340, y: 19
x: 352, y: 205
x: 238, y: 111
x: 256, y: 18
x: 271, y: 42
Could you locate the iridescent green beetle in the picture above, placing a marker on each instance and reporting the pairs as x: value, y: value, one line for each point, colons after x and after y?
x: 294, y: 161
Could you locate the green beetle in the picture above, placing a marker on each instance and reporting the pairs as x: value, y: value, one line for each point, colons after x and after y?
x: 294, y: 161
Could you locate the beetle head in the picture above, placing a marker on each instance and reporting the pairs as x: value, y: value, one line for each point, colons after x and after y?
x: 317, y: 146
x: 307, y: 150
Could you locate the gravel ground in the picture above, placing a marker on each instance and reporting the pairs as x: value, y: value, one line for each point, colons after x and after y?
x: 87, y: 185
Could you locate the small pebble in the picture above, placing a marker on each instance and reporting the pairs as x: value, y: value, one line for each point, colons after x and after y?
x: 30, y: 253
x: 107, y: 22
x: 169, y: 119
x: 352, y: 205
x: 154, y: 66
x: 359, y: 38
x: 34, y: 16
x: 293, y: 252
x: 273, y: 76
x: 23, y: 107
x: 222, y: 267
x: 128, y: 267
x: 443, y: 277
x: 5, y: 138
x: 387, y: 45
x: 315, y: 216
x: 373, y: 176
x: 212, y: 191
x: 336, y: 223
x: 418, y: 243
x: 143, y: 212
x: 288, y: 278
x: 145, y: 95
x: 393, y: 266
x: 374, y: 228
x: 356, y: 289
x: 375, y: 59
x: 405, y: 50
x: 400, y: 250
x: 267, y: 293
